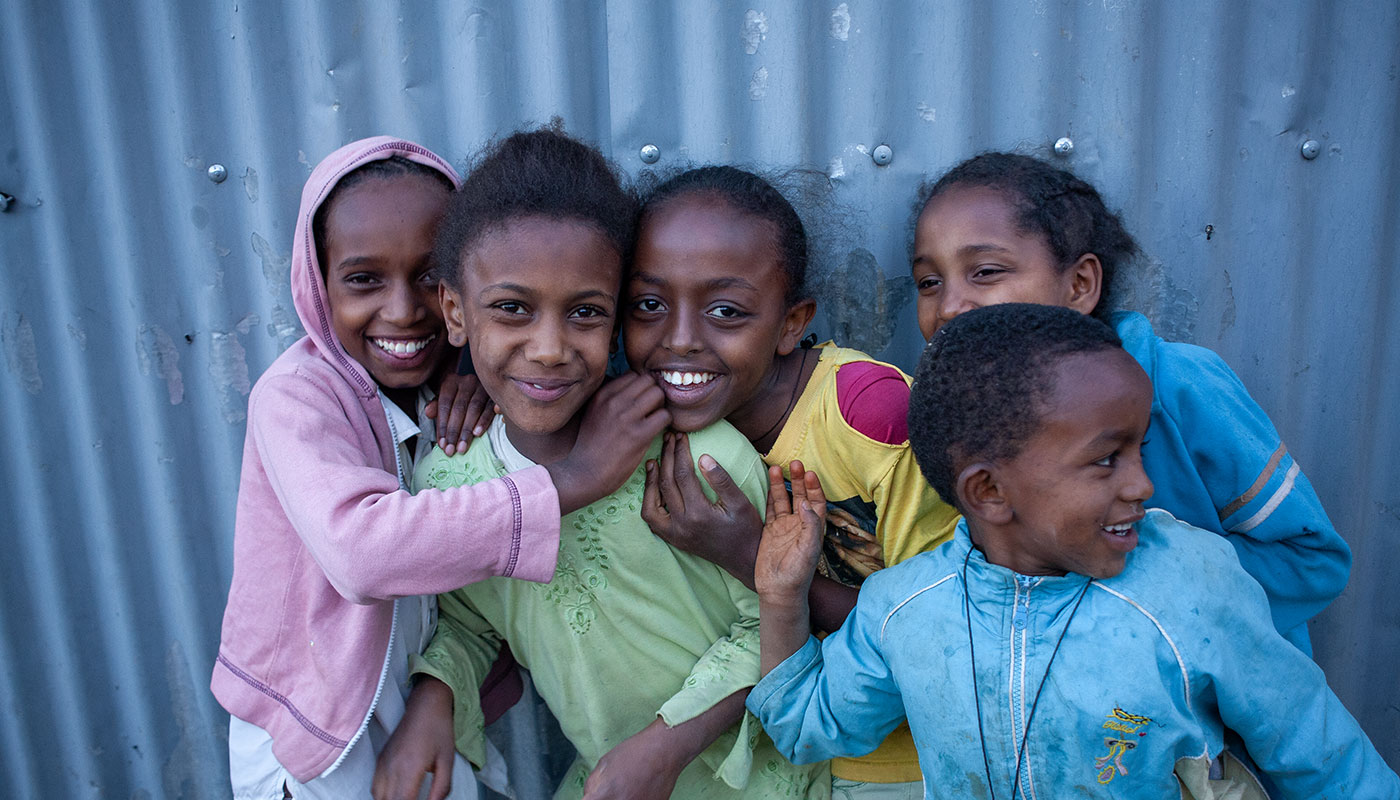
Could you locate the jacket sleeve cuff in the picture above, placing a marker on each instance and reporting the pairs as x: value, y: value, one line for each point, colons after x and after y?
x: 536, y: 533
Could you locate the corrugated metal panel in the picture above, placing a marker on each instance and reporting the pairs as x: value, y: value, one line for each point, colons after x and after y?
x: 140, y: 299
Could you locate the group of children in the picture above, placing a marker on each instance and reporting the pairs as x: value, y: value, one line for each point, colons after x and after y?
x: 608, y: 527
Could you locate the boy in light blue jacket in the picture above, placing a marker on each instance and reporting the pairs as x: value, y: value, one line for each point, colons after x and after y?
x: 1066, y: 642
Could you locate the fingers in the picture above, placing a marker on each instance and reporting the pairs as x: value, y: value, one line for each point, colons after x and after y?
x: 654, y: 513
x: 729, y: 494
x: 796, y: 474
x: 777, y: 495
x: 442, y: 777
x: 672, y: 493
x: 813, y: 489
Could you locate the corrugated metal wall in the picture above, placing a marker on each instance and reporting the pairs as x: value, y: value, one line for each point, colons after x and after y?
x: 139, y: 300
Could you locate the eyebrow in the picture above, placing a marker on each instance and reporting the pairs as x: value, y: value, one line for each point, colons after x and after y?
x: 526, y: 290
x: 718, y: 283
x: 967, y: 250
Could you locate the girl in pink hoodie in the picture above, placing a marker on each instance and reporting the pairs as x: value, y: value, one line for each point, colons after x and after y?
x: 330, y: 550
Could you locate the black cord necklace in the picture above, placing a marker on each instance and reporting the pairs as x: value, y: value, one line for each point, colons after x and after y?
x: 792, y: 400
x: 977, y: 696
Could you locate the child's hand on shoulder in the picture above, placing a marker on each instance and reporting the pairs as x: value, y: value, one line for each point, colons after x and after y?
x: 422, y: 743
x: 723, y: 532
x: 618, y: 425
x: 462, y: 411
x: 792, y: 535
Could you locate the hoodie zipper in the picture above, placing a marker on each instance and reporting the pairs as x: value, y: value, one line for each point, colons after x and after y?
x: 393, y: 622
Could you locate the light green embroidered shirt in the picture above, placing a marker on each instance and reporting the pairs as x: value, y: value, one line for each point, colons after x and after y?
x: 628, y: 629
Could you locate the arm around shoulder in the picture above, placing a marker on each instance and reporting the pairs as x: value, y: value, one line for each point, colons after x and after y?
x: 372, y: 539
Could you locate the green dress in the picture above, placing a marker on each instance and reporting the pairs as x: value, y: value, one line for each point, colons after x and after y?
x: 628, y: 629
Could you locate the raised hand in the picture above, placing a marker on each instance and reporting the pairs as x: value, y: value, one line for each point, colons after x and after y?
x: 792, y: 535
x: 618, y: 425
x: 724, y: 531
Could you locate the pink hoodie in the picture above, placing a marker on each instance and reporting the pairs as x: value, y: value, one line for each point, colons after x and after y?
x: 324, y: 537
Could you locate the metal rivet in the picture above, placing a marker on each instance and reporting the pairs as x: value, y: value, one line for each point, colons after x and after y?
x: 1064, y: 146
x: 882, y: 154
x: 650, y: 154
x: 6, y: 200
x: 1311, y: 149
x: 217, y: 173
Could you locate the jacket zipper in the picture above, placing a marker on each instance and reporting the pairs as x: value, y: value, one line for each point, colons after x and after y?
x: 393, y: 622
x: 1020, y: 620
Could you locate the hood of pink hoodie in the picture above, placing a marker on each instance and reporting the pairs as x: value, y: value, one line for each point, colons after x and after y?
x: 308, y: 287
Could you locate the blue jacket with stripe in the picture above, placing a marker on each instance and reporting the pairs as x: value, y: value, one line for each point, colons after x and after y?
x: 1218, y: 463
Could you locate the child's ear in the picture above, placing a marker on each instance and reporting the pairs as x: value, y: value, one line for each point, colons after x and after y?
x: 454, y: 313
x: 1085, y: 283
x: 981, y: 495
x: 794, y: 323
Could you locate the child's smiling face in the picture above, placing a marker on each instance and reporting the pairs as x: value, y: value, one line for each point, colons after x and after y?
x: 382, y: 295
x: 1077, y: 486
x: 538, y: 305
x: 969, y: 252
x: 706, y: 311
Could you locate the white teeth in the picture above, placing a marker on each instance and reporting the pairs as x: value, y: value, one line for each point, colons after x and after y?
x: 1119, y: 530
x: 687, y: 378
x: 402, y: 348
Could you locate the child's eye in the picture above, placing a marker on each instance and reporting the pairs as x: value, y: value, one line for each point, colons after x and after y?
x: 988, y: 271
x: 647, y: 305
x: 509, y: 307
x: 928, y: 283
x: 359, y: 279
x: 725, y: 312
x: 1107, y: 461
x: 588, y: 312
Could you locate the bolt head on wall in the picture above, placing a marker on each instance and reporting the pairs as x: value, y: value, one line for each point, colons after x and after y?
x: 882, y: 154
x: 1064, y: 146
x: 1311, y: 149
x: 217, y: 173
x: 650, y: 154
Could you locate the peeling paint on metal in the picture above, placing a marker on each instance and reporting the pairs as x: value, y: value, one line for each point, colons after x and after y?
x: 755, y: 30
x: 758, y: 84
x: 927, y: 113
x: 228, y: 366
x: 20, y: 353
x: 78, y: 335
x: 276, y: 268
x: 861, y: 303
x: 250, y: 184
x: 284, y: 327
x: 837, y: 169
x: 156, y: 352
x: 1289, y: 91
x: 1227, y: 316
x: 841, y: 23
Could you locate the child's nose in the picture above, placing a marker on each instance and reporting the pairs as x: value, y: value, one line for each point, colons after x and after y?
x: 1138, y: 488
x: 548, y: 343
x: 954, y: 303
x: 681, y: 336
x: 405, y: 307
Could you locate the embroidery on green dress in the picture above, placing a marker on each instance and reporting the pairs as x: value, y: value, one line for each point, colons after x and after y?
x: 449, y: 472
x: 581, y: 572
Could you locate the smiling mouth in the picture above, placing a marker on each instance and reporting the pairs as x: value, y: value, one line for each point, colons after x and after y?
x: 403, y: 348
x: 543, y: 391
x: 1119, y: 530
x: 686, y: 380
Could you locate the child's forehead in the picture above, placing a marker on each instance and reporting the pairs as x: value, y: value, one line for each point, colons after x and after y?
x: 1094, y: 390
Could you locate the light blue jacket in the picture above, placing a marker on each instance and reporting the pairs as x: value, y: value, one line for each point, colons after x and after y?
x: 1154, y: 661
x: 1218, y: 463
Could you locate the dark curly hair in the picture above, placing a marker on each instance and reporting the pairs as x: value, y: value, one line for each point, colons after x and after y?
x: 752, y: 194
x: 537, y: 173
x: 382, y: 169
x: 1052, y: 203
x: 982, y: 382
